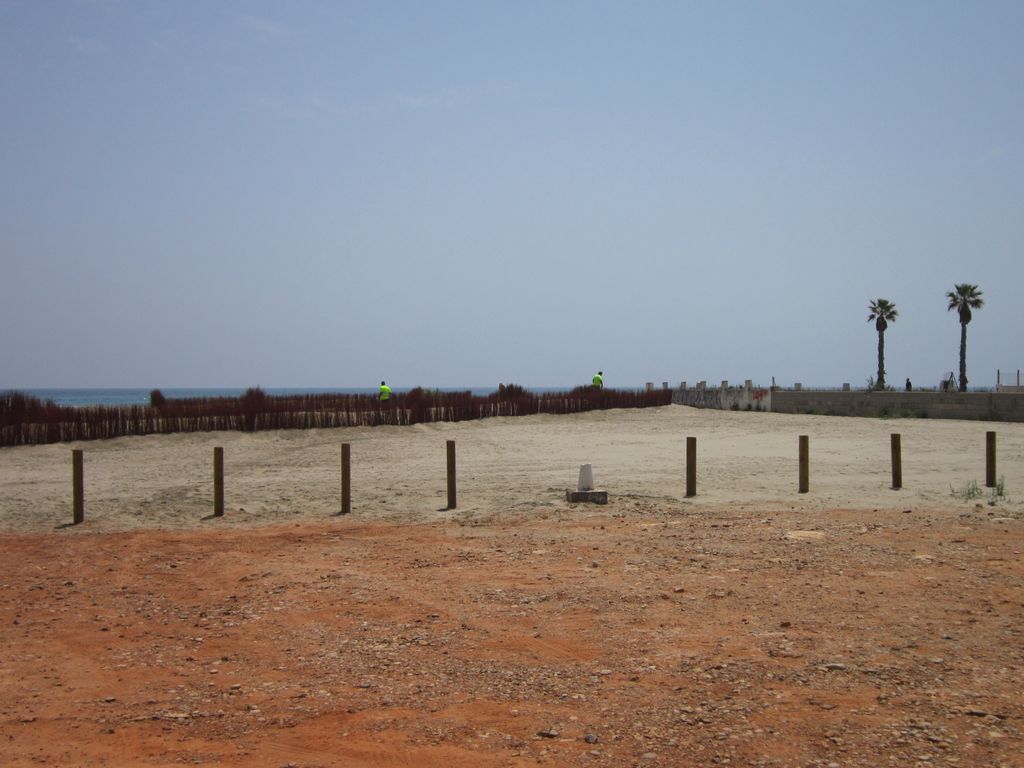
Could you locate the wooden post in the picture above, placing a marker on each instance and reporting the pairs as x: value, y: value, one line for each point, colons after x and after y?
x: 346, y: 478
x: 805, y: 463
x: 78, y: 486
x: 897, y: 461
x: 691, y: 467
x: 451, y: 474
x: 218, y: 482
x: 990, y: 459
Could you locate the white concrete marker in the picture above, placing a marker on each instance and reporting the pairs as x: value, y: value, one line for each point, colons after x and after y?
x: 586, y: 481
x: 585, y: 488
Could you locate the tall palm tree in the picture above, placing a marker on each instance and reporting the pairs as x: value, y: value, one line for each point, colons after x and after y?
x: 963, y: 298
x: 883, y: 312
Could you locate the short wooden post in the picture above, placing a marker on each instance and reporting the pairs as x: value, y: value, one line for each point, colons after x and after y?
x: 897, y: 461
x: 78, y: 486
x: 346, y: 478
x: 451, y: 474
x: 691, y: 467
x: 805, y: 463
x: 218, y: 482
x: 990, y: 459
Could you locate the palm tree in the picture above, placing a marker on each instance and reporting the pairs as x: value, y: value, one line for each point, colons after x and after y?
x: 963, y: 298
x: 882, y: 312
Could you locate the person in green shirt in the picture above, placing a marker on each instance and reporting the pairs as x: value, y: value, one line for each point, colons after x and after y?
x: 385, y: 392
x: 599, y: 380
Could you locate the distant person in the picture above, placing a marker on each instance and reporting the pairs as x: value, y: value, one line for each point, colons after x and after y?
x: 599, y: 380
x: 385, y: 392
x: 908, y: 386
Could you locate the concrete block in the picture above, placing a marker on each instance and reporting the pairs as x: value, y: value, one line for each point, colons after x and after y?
x: 594, y: 497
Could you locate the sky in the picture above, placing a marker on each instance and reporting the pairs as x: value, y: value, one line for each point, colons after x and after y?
x: 326, y: 194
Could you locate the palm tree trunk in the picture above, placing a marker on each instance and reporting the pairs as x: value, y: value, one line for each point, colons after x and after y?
x: 963, y: 357
x: 880, y: 383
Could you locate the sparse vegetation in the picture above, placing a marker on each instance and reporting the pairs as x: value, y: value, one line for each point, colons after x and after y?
x: 998, y: 491
x: 972, y: 491
x: 968, y: 492
x: 157, y: 399
x: 511, y: 392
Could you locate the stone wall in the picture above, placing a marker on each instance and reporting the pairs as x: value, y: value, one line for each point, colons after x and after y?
x: 986, y: 406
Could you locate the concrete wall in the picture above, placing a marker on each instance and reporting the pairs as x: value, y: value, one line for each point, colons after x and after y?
x: 724, y: 397
x: 986, y: 406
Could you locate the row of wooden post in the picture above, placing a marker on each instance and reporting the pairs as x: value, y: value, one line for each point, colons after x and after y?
x: 78, y: 473
x: 805, y: 463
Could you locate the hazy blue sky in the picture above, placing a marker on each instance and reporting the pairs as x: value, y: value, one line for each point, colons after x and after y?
x: 315, y: 193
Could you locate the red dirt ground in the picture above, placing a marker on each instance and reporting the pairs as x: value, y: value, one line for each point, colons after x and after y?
x: 615, y: 636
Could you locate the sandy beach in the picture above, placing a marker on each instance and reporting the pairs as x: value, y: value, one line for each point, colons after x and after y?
x: 854, y: 625
x: 507, y: 467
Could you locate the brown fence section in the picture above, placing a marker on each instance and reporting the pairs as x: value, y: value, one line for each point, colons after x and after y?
x: 26, y: 420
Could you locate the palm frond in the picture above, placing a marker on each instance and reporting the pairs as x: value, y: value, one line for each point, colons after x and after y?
x: 964, y: 295
x: 882, y: 308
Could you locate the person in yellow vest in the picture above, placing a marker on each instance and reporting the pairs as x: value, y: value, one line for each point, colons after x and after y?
x: 599, y: 379
x: 385, y: 392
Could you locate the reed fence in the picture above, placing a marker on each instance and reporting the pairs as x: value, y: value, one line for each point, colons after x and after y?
x: 25, y: 420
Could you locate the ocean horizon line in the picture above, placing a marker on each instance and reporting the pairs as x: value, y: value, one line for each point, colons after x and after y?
x: 114, y: 396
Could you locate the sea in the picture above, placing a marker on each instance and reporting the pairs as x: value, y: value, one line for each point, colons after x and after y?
x: 135, y: 396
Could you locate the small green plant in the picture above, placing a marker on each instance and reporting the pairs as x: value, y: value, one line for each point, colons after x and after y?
x: 973, y: 491
x: 969, y: 492
x: 998, y: 491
